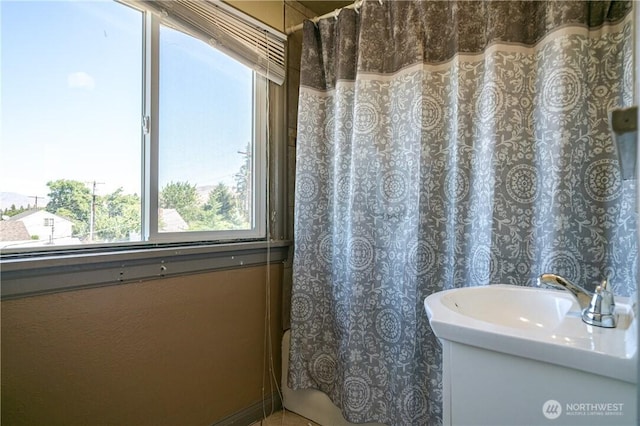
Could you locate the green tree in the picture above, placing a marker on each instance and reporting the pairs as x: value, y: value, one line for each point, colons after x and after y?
x: 117, y: 216
x: 243, y: 185
x: 221, y: 201
x: 205, y: 220
x: 15, y: 211
x: 183, y: 197
x: 71, y: 199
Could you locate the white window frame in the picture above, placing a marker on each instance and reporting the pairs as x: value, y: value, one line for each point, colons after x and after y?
x: 150, y: 232
x: 150, y: 158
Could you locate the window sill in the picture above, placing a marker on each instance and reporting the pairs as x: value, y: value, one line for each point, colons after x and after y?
x: 31, y: 276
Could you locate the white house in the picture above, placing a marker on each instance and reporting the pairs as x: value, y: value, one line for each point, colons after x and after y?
x: 45, y: 227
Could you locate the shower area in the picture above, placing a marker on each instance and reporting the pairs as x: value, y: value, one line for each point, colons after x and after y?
x: 445, y: 144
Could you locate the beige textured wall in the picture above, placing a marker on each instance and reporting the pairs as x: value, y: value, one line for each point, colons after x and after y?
x: 268, y: 11
x: 176, y: 351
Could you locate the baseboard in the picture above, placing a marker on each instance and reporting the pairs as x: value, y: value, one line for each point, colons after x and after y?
x: 252, y: 413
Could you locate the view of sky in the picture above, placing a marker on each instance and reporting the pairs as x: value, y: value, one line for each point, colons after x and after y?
x: 71, y: 100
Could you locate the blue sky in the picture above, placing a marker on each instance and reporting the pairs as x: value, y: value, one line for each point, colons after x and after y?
x: 71, y: 96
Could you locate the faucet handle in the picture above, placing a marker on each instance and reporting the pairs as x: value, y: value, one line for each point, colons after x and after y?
x: 602, y: 307
x: 608, y: 305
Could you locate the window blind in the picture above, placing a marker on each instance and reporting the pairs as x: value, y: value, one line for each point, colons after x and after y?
x: 240, y: 36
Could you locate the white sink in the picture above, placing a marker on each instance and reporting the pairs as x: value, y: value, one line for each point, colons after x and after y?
x: 540, y: 324
x: 510, y: 306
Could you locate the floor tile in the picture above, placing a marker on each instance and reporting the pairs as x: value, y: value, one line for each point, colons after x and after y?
x: 285, y: 418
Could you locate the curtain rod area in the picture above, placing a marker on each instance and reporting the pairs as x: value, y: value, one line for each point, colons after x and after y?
x: 355, y: 5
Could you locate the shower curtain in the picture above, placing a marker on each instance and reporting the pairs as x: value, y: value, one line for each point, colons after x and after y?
x: 446, y: 144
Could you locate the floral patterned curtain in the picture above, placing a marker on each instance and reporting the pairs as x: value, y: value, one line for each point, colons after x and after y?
x: 440, y: 145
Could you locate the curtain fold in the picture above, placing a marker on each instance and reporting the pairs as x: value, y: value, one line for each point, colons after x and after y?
x: 440, y: 145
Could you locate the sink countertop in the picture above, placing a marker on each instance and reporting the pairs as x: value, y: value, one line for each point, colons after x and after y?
x: 539, y: 324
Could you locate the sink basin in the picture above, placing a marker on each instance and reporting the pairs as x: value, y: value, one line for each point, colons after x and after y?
x: 540, y: 324
x: 511, y: 306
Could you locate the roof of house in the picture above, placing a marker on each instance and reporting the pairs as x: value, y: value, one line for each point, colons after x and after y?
x: 13, y: 231
x: 171, y: 221
x: 31, y: 212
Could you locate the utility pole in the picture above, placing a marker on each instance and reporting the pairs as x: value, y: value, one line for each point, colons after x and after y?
x: 50, y: 222
x: 246, y: 203
x: 36, y: 198
x: 93, y: 209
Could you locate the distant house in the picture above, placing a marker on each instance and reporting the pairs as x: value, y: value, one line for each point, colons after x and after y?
x: 44, y: 227
x: 13, y: 231
x: 169, y: 220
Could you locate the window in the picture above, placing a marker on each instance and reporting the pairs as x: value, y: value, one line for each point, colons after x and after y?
x: 71, y: 102
x: 118, y: 128
x: 205, y: 138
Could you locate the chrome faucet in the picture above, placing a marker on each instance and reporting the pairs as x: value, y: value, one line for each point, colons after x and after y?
x: 597, y: 308
x: 582, y: 295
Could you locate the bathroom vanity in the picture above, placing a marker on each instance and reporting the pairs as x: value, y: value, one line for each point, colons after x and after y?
x: 522, y: 356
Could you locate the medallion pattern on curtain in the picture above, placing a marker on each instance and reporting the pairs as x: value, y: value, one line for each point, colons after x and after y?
x: 441, y: 145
